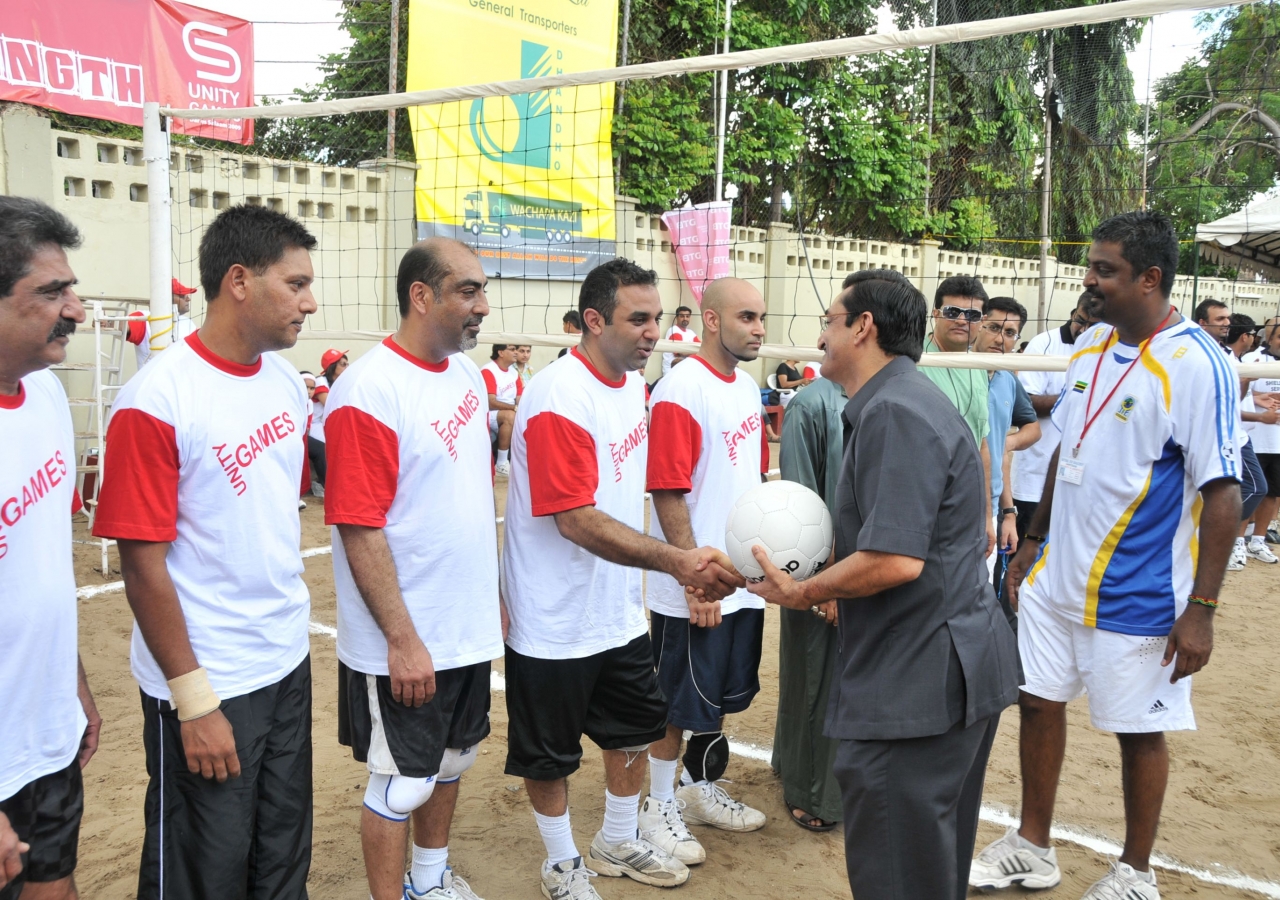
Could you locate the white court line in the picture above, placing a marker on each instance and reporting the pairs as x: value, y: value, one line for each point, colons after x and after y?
x: 1215, y: 874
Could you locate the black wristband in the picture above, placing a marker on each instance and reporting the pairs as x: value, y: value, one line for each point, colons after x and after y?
x: 1034, y: 538
x: 1009, y: 511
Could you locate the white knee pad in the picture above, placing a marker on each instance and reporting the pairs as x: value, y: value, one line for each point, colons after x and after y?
x: 454, y: 763
x: 395, y: 796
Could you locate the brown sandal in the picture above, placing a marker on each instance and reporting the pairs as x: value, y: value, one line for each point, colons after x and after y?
x: 806, y: 820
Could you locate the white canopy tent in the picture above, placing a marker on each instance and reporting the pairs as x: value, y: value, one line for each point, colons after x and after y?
x: 1248, y: 239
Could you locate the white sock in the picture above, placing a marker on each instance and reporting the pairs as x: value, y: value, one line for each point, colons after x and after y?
x: 685, y: 778
x: 1258, y: 541
x: 1248, y: 530
x: 502, y: 456
x: 1027, y: 845
x: 621, y: 818
x: 557, y: 836
x: 428, y: 868
x: 662, y: 778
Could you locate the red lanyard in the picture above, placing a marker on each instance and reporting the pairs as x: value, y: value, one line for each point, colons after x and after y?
x: 1090, y: 419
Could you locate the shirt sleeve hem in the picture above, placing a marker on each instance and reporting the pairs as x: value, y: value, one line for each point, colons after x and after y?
x: 683, y: 486
x: 563, y: 505
x: 133, y: 533
x: 364, y: 521
x: 897, y: 541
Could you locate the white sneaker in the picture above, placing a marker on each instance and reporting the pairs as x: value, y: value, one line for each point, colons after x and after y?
x: 302, y: 504
x: 708, y: 804
x: 1006, y: 862
x: 568, y: 880
x: 317, y: 490
x: 503, y: 469
x: 1261, y: 552
x: 1123, y: 883
x: 662, y: 826
x: 639, y: 860
x: 1239, y: 554
x: 451, y: 888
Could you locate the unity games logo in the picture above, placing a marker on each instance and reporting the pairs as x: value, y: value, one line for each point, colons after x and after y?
x: 532, y: 122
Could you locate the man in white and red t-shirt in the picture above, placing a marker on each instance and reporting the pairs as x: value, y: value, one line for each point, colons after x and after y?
x: 679, y: 331
x: 418, y: 609
x: 707, y: 446
x: 203, y: 460
x: 137, y: 330
x: 505, y: 387
x: 48, y: 723
x: 579, y: 660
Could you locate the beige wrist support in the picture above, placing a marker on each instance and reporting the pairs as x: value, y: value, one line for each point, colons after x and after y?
x: 193, y: 696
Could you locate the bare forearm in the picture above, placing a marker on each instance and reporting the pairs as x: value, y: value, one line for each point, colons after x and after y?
x: 986, y: 476
x: 155, y: 605
x: 82, y: 684
x: 1043, y: 404
x: 673, y: 515
x: 1024, y: 437
x: 1219, y: 522
x: 374, y: 572
x: 862, y: 574
x: 611, y: 540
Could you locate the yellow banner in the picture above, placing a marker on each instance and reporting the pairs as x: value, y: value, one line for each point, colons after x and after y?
x: 527, y: 180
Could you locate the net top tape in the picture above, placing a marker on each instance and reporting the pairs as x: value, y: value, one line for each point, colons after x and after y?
x: 742, y: 59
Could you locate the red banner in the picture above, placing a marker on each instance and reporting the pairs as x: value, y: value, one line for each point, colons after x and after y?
x: 700, y: 235
x: 103, y: 58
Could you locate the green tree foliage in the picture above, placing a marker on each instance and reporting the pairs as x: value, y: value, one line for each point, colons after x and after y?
x: 1215, y: 123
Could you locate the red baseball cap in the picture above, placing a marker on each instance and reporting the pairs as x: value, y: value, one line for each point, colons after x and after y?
x: 181, y: 289
x: 330, y: 357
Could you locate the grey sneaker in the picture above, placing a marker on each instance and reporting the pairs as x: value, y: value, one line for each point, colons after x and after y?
x: 1261, y: 552
x: 1006, y: 862
x: 639, y: 860
x: 1124, y: 883
x: 707, y: 803
x: 662, y: 826
x: 568, y: 880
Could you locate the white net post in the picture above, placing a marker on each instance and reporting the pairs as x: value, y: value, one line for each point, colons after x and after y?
x: 155, y: 151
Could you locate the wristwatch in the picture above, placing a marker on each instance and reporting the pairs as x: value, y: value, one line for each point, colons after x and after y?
x: 1008, y: 511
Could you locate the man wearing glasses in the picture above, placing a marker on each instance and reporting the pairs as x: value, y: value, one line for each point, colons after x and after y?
x: 1008, y: 407
x: 1031, y: 466
x: 957, y: 310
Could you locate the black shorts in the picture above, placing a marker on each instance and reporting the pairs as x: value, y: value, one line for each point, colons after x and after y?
x: 395, y: 739
x: 708, y: 673
x: 612, y: 697
x: 46, y: 814
x: 1270, y: 463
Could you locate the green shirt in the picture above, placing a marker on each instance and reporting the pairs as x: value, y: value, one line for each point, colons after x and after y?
x: 965, y: 388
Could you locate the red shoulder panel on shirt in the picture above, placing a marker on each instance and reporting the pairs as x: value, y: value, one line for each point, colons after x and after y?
x: 675, y: 445
x: 136, y: 328
x: 363, y: 458
x: 139, y: 496
x: 563, y: 470
x: 490, y: 383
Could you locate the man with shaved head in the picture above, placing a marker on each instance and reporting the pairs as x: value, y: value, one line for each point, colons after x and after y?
x: 706, y: 447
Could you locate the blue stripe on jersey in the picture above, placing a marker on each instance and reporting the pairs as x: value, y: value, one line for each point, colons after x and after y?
x: 1136, y: 592
x: 1223, y: 379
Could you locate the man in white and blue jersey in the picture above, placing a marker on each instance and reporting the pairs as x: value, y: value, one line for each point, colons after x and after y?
x: 1125, y: 554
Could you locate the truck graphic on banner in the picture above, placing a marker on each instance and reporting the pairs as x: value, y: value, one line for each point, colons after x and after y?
x: 491, y: 212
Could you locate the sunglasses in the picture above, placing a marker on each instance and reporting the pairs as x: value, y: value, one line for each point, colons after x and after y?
x: 959, y: 312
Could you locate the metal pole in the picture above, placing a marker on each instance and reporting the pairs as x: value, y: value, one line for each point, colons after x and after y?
x: 724, y: 106
x: 1146, y: 125
x: 155, y: 152
x: 928, y: 160
x: 1046, y: 194
x: 393, y: 79
x: 622, y: 85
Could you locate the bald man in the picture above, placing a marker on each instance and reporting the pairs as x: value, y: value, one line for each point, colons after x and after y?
x: 706, y: 447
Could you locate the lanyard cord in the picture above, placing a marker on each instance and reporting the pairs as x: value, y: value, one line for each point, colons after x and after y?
x: 1090, y: 419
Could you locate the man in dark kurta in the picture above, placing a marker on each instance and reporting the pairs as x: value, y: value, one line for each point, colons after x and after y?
x: 926, y: 660
x: 812, y: 447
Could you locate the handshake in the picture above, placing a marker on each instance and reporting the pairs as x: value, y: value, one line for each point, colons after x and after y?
x: 708, y: 577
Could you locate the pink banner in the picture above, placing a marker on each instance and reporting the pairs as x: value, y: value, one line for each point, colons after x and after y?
x: 700, y: 239
x: 103, y: 58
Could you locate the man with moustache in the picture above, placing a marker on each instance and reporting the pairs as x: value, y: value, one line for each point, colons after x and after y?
x: 1111, y: 600
x: 707, y: 446
x: 48, y: 722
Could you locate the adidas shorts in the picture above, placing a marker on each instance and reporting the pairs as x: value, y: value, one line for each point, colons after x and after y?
x: 46, y: 814
x: 394, y: 739
x: 1129, y: 691
x: 708, y: 673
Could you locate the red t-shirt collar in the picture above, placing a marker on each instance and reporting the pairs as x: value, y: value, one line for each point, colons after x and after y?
x: 390, y: 344
x: 223, y: 365
x: 727, y: 379
x: 14, y: 401
x: 596, y: 372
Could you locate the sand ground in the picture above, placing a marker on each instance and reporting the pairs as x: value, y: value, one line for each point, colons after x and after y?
x: 1222, y: 811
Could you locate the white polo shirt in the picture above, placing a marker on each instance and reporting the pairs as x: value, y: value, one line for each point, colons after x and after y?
x: 1121, y: 549
x: 206, y: 454
x: 1031, y: 465
x: 707, y: 439
x: 408, y: 452
x: 579, y: 440
x: 42, y: 720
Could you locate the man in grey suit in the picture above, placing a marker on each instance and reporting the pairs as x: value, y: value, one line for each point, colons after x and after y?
x: 926, y: 659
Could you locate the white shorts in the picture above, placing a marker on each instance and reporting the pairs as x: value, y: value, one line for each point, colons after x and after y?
x: 1129, y: 691
x: 493, y: 424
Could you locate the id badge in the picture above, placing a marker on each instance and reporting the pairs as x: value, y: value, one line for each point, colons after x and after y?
x: 1071, y: 471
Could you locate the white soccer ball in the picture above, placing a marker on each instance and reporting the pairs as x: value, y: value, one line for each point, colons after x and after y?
x: 789, y: 521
